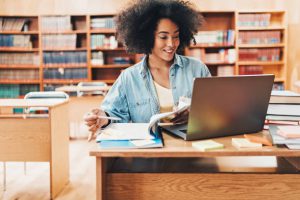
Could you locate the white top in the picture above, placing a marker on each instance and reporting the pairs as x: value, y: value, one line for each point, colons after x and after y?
x: 165, y: 98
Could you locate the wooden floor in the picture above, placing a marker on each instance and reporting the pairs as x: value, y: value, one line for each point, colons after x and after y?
x: 35, y: 184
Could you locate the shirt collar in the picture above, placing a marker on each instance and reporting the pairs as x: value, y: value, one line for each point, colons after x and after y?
x: 144, y: 65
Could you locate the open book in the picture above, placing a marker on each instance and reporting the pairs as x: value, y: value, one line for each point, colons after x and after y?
x: 136, y: 135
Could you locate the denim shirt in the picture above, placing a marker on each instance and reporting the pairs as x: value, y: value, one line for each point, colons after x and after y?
x: 133, y: 96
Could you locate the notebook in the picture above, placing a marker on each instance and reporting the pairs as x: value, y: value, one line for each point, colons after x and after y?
x: 225, y: 106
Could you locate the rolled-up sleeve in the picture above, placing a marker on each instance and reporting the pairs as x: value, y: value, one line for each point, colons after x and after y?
x: 115, y: 102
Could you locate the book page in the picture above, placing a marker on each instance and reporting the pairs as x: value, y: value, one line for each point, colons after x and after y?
x: 286, y: 93
x: 138, y: 131
x: 125, y: 131
x: 184, y: 104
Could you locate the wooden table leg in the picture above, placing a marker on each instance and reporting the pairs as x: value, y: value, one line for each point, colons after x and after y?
x: 100, y: 178
x: 295, y: 161
x: 59, y: 160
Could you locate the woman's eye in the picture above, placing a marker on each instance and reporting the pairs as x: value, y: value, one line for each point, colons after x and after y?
x: 163, y: 37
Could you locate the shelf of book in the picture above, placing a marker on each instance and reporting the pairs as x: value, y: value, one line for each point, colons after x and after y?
x: 19, y: 32
x: 18, y: 49
x: 261, y: 28
x: 218, y: 63
x: 64, y: 32
x: 108, y: 81
x: 111, y: 66
x: 211, y: 46
x: 107, y: 57
x: 262, y: 43
x: 65, y: 49
x: 25, y: 81
x: 103, y: 30
x: 19, y: 66
x: 216, y: 42
x: 72, y: 65
x: 19, y: 55
x: 109, y: 49
x: 261, y: 63
x: 65, y: 81
x: 64, y: 46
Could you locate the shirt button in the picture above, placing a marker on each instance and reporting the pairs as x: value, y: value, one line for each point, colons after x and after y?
x: 174, y: 87
x: 172, y: 74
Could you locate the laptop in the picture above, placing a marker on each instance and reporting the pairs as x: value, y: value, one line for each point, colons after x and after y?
x: 225, y: 106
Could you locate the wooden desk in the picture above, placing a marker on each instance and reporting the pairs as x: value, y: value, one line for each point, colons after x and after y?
x: 37, y: 139
x: 83, y: 88
x: 80, y: 106
x: 190, y: 186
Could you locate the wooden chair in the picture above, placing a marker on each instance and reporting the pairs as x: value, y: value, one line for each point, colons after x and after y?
x: 91, y: 84
x: 44, y: 95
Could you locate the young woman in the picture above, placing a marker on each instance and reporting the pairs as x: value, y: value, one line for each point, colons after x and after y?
x: 159, y: 29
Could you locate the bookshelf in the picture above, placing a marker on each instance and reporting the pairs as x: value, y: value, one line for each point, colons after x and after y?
x: 64, y: 50
x: 216, y: 42
x: 45, y: 52
x: 262, y: 44
x: 108, y: 57
x: 19, y: 55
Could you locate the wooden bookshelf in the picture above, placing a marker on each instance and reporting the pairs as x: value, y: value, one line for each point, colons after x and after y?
x: 64, y: 50
x: 75, y: 65
x: 66, y: 81
x: 19, y: 32
x: 28, y: 81
x: 21, y: 66
x: 19, y: 55
x: 216, y: 42
x: 111, y: 66
x: 107, y: 57
x: 264, y: 63
x: 222, y: 41
x: 262, y: 43
x: 103, y: 30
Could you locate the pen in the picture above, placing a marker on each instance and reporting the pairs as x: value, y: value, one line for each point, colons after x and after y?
x: 111, y: 118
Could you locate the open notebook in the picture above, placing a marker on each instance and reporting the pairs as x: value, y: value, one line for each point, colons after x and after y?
x: 136, y: 135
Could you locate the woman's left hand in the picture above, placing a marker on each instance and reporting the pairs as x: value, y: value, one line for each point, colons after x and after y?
x: 181, y: 118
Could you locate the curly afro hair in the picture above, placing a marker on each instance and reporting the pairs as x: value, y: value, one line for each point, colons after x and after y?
x: 137, y: 23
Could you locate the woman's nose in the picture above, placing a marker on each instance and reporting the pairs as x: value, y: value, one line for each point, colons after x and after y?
x: 170, y: 42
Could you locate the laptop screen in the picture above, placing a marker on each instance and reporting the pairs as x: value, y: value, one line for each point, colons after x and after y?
x: 223, y: 106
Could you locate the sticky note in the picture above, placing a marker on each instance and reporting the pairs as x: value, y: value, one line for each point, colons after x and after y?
x: 207, y: 145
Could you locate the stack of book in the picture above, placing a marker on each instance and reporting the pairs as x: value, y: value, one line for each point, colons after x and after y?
x: 218, y: 37
x: 104, y: 22
x: 254, y: 20
x: 286, y: 135
x: 264, y: 54
x: 283, y: 118
x: 284, y: 108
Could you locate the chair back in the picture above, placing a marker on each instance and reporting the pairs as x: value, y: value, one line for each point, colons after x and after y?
x: 47, y: 95
x: 90, y: 84
x: 44, y: 95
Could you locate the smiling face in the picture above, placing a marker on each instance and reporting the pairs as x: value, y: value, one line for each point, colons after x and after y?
x: 166, y: 41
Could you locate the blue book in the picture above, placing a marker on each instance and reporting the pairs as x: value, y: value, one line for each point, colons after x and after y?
x: 130, y: 135
x: 132, y: 144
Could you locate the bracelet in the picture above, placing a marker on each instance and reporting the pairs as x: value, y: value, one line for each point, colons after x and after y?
x: 109, y: 121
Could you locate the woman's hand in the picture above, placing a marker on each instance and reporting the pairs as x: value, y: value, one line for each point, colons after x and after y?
x: 181, y: 118
x: 93, y: 121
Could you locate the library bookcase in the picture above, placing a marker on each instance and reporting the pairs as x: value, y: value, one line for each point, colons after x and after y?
x: 45, y: 52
